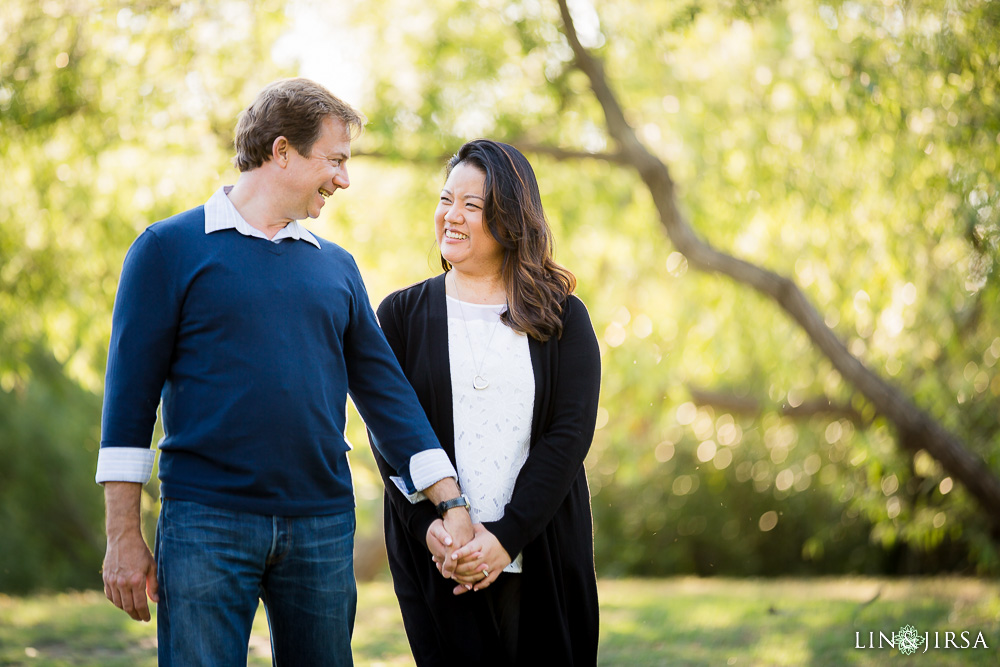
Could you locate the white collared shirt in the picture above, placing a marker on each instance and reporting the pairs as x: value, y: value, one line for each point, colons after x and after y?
x: 220, y: 213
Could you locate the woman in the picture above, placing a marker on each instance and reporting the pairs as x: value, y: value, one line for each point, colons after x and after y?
x: 506, y: 365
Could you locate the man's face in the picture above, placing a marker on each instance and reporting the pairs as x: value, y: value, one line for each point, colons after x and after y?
x: 314, y: 177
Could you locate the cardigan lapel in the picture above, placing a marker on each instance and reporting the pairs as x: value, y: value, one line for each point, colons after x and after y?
x: 440, y: 361
x: 542, y: 383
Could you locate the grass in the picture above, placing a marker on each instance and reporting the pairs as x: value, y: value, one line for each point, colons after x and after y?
x: 683, y: 621
x: 792, y: 621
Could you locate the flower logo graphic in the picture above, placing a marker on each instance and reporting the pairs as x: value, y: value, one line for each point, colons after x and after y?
x: 907, y: 640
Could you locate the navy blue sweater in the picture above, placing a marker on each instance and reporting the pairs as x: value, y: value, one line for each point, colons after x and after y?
x: 254, y: 346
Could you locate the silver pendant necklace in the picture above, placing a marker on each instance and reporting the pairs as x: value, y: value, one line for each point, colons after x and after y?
x: 479, y: 381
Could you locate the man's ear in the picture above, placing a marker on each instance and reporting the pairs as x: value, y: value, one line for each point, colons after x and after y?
x: 279, y: 151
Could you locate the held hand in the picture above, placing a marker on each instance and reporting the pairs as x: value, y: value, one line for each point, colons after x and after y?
x: 129, y: 574
x: 458, y: 524
x: 480, y: 562
x: 439, y: 542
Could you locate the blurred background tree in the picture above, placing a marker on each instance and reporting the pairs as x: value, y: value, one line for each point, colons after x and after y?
x: 112, y: 116
x: 852, y: 147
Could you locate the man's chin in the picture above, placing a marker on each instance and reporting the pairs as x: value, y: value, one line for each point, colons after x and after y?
x: 315, y: 213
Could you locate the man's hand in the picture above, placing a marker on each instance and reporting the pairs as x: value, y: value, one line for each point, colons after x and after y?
x: 457, y: 523
x: 439, y: 542
x: 129, y: 569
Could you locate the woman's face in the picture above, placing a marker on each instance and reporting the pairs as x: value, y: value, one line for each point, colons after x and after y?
x: 459, y: 226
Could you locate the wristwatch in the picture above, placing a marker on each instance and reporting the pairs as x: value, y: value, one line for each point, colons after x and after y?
x: 461, y: 501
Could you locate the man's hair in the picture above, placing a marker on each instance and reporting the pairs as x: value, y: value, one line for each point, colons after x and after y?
x: 290, y: 108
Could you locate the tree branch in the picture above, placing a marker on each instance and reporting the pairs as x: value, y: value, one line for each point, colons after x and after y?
x: 568, y: 154
x: 523, y: 145
x: 915, y: 428
x: 820, y: 406
x: 436, y: 160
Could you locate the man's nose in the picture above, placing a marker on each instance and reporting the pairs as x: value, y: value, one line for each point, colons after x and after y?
x: 342, y: 180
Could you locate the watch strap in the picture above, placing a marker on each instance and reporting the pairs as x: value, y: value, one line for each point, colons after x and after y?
x: 446, y: 505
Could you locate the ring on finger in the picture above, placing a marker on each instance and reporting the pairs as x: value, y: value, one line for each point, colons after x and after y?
x: 486, y: 573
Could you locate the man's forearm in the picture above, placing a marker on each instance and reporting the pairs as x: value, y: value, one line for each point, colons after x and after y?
x: 442, y: 490
x: 129, y: 569
x: 122, y: 501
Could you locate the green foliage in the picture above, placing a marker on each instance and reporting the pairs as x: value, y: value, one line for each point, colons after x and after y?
x: 110, y: 117
x: 48, y: 442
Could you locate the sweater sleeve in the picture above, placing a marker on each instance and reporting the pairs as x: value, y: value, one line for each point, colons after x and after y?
x: 143, y: 329
x: 558, y: 453
x: 388, y: 404
x: 417, y: 517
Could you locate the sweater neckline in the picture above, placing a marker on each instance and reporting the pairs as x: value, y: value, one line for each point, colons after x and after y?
x: 267, y: 245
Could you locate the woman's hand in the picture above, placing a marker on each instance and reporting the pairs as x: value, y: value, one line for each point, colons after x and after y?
x: 480, y: 562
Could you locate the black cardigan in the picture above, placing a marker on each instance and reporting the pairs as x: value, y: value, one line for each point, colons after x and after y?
x: 548, y: 517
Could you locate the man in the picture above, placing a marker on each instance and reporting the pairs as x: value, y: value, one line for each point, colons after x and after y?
x: 253, y: 331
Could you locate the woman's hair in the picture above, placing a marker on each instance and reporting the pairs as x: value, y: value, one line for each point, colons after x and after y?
x: 290, y: 108
x: 536, y: 286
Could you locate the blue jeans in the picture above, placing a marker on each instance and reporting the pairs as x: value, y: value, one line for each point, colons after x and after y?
x: 214, y: 564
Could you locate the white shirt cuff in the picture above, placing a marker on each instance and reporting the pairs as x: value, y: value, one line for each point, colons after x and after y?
x: 414, y: 498
x: 125, y: 464
x: 426, y: 469
x: 429, y: 467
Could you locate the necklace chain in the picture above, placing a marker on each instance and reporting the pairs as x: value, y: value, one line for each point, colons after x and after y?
x: 479, y: 381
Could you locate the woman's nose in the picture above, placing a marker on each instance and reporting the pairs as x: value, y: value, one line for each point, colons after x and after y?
x: 453, y: 214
